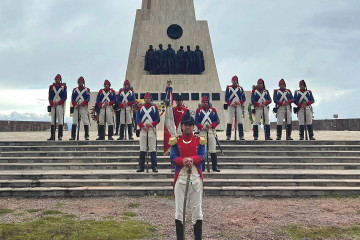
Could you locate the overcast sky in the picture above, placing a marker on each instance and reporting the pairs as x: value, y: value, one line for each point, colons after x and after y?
x: 315, y: 40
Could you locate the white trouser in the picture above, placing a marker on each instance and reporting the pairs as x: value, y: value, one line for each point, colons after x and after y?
x: 109, y: 116
x: 281, y: 115
x: 308, y: 116
x: 128, y: 115
x: 212, y: 140
x: 259, y: 114
x: 151, y: 140
x: 195, y: 192
x: 84, y: 115
x: 231, y: 114
x: 59, y: 114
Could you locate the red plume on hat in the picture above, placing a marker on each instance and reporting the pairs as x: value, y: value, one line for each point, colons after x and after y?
x: 260, y: 81
x: 58, y: 76
x: 107, y: 82
x: 126, y: 82
x: 205, y: 99
x: 235, y: 78
x: 147, y: 95
x: 81, y: 79
x: 282, y: 81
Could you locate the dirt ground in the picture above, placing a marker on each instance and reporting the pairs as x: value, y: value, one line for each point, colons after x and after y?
x: 224, y: 217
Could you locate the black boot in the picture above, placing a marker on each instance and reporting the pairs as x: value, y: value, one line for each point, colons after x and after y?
x: 73, y: 132
x: 267, y: 132
x: 101, y: 132
x: 301, y: 132
x: 289, y: 129
x: 311, y: 132
x: 141, y: 162
x: 110, y: 132
x: 198, y: 230
x: 203, y: 167
x: 117, y: 129
x: 154, y: 162
x: 228, y: 132
x: 52, y: 132
x: 241, y: 132
x: 179, y: 230
x: 60, y: 132
x: 122, y: 127
x: 256, y: 132
x: 86, y: 128
x: 278, y: 132
x: 130, y: 132
x: 214, y: 162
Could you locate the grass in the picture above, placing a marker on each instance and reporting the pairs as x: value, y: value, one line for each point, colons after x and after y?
x: 67, y: 227
x: 4, y: 211
x: 299, y: 232
x: 133, y: 205
x: 33, y: 210
x: 51, y: 212
x: 59, y: 205
x: 129, y: 214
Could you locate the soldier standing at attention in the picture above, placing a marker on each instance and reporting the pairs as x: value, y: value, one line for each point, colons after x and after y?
x: 57, y: 97
x: 188, y: 154
x: 80, y: 98
x: 261, y: 99
x: 303, y: 98
x: 235, y: 98
x: 179, y: 111
x: 125, y: 100
x: 283, y: 99
x: 105, y: 100
x: 206, y: 120
x: 147, y: 117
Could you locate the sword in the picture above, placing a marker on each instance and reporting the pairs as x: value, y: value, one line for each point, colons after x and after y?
x: 105, y: 124
x: 125, y: 124
x: 185, y: 198
x: 286, y: 122
x: 235, y: 122
x: 78, y: 131
x: 217, y: 141
x: 55, y: 121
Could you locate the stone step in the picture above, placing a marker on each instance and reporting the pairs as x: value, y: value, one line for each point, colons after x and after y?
x: 25, y: 183
x: 135, y: 153
x: 160, y: 142
x: 165, y: 173
x: 225, y: 147
x: 100, y: 191
x: 165, y: 159
x: 166, y: 165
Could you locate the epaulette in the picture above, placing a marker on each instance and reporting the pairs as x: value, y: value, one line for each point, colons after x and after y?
x: 202, y: 140
x: 173, y: 141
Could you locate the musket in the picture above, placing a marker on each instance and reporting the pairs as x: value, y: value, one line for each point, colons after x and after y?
x: 55, y: 119
x: 235, y: 127
x: 264, y: 121
x: 286, y: 122
x: 147, y: 151
x: 185, y: 198
x: 207, y: 151
x: 105, y: 124
x: 305, y: 127
x: 78, y: 121
x: 125, y: 124
x: 217, y: 141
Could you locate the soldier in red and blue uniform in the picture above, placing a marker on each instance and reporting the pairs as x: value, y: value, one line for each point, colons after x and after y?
x: 147, y: 117
x: 188, y: 154
x: 80, y: 98
x: 179, y: 111
x: 206, y: 120
x: 125, y: 99
x: 261, y: 99
x: 235, y: 98
x: 283, y: 99
x: 304, y: 99
x: 105, y: 100
x: 57, y: 97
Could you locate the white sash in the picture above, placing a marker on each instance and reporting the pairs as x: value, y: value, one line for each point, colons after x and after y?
x: 261, y: 96
x: 283, y: 96
x: 106, y: 96
x: 234, y: 96
x: 57, y: 93
x: 125, y: 95
x: 147, y: 114
x: 206, y: 117
x: 80, y: 97
x: 303, y: 96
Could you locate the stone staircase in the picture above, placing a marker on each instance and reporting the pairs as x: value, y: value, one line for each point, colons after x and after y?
x: 248, y: 168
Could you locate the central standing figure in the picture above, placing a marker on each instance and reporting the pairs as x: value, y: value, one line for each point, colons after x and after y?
x: 188, y: 153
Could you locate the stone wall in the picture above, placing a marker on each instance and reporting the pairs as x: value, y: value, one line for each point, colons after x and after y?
x: 352, y: 124
x: 24, y: 126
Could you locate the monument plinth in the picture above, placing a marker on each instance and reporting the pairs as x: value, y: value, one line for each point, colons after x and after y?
x: 173, y: 22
